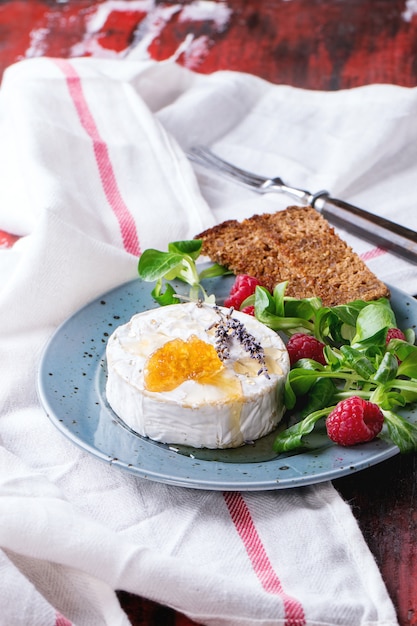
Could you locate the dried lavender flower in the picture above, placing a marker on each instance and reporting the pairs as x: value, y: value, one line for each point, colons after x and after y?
x: 227, y: 329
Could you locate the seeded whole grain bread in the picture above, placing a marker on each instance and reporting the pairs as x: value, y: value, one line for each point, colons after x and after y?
x: 297, y: 245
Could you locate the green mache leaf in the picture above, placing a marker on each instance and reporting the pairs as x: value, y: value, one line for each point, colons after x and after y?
x: 178, y: 263
x: 401, y: 349
x: 374, y: 341
x: 410, y: 336
x: 166, y: 297
x: 291, y: 325
x: 185, y: 271
x: 408, y: 367
x: 348, y: 313
x: 346, y: 333
x: 309, y: 364
x: 211, y: 299
x: 249, y: 301
x: 409, y: 395
x: 373, y: 352
x: 358, y: 362
x: 401, y: 432
x: 301, y: 379
x: 321, y: 395
x: 290, y: 398
x: 333, y: 357
x: 387, y: 369
x: 265, y: 313
x: 264, y: 300
x: 338, y: 324
x: 292, y: 437
x: 392, y: 400
x: 214, y: 271
x: 286, y: 306
x: 190, y: 247
x: 372, y: 322
x: 265, y: 308
x: 154, y: 264
x: 304, y: 309
x: 278, y: 298
x: 327, y: 326
x: 405, y: 387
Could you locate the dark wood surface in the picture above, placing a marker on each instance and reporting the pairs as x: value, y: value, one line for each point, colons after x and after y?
x: 314, y: 44
x: 383, y: 500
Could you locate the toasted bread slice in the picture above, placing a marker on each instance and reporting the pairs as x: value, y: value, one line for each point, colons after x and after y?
x: 296, y: 245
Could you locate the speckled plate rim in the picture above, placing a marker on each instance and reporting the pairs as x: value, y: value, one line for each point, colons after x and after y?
x: 71, y: 388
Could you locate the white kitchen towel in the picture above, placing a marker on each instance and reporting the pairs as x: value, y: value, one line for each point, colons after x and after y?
x: 92, y: 172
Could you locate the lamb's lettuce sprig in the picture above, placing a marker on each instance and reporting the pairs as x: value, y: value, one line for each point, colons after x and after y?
x: 358, y: 362
x: 179, y: 262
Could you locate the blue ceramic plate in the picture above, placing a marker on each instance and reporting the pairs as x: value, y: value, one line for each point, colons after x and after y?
x: 71, y: 385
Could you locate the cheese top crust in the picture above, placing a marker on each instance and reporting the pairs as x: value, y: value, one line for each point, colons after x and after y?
x: 232, y: 405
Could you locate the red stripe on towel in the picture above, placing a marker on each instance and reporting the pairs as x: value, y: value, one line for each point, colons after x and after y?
x: 262, y: 566
x: 372, y: 254
x: 60, y: 620
x: 105, y: 168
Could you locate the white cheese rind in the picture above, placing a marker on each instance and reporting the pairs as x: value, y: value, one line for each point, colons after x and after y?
x: 195, y: 414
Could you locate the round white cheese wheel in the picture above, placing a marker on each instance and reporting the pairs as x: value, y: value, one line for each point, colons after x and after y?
x: 235, y: 406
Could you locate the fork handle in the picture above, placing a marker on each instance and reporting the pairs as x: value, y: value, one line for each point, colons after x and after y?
x: 375, y: 229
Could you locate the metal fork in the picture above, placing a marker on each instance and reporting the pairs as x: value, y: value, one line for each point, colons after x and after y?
x: 377, y: 230
x: 204, y: 156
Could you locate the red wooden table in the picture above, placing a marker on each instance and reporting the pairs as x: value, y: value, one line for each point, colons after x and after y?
x: 314, y: 44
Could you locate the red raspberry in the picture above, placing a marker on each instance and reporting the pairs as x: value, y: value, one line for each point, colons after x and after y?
x: 354, y: 420
x: 395, y: 333
x: 243, y: 287
x: 302, y: 346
